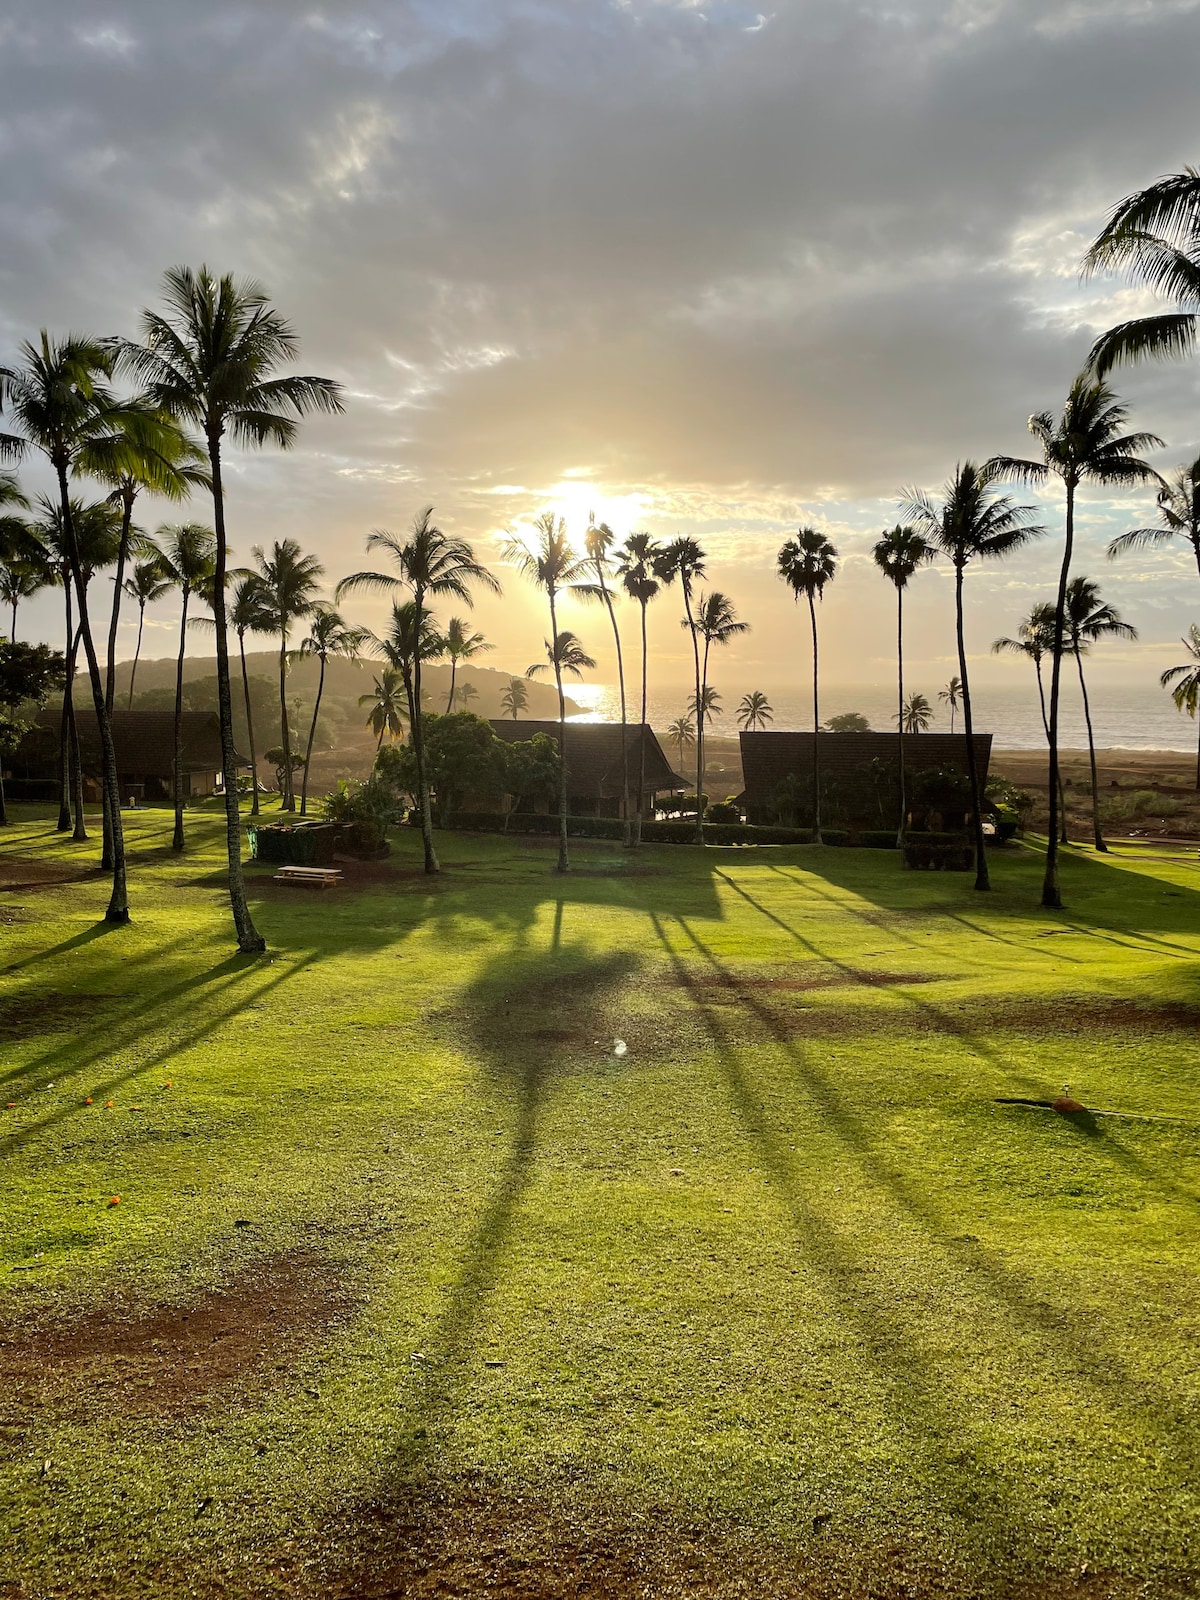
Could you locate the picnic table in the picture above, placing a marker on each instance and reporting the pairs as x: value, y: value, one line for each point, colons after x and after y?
x: 313, y: 877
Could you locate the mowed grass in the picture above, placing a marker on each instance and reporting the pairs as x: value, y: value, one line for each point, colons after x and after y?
x: 782, y: 1266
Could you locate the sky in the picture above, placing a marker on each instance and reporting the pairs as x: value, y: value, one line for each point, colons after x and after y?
x: 693, y: 267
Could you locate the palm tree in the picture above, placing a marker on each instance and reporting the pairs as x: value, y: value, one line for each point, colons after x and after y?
x: 682, y: 732
x: 515, y: 698
x: 328, y: 635
x: 389, y: 706
x: 550, y: 562
x: 754, y: 710
x: 1178, y: 517
x: 211, y: 360
x: 287, y: 585
x: 683, y: 558
x: 710, y: 702
x: 20, y: 581
x: 248, y: 612
x: 1155, y: 235
x: 429, y: 562
x: 971, y: 524
x: 65, y: 409
x: 1035, y: 640
x: 898, y: 554
x: 806, y: 564
x: 1084, y: 444
x: 598, y: 541
x: 637, y: 566
x: 467, y: 692
x: 1090, y: 619
x: 15, y: 543
x: 459, y: 645
x: 1186, y: 680
x: 916, y: 714
x: 187, y: 555
x: 406, y: 644
x: 145, y: 584
x: 951, y: 696
x: 564, y: 653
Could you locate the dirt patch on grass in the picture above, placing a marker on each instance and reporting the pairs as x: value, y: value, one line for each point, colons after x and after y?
x: 48, y: 1013
x: 819, y: 978
x: 31, y: 873
x: 169, y: 1359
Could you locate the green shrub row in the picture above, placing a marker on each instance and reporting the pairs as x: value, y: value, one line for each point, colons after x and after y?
x: 683, y: 832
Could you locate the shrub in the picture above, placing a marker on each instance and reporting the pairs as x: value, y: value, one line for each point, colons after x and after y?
x: 878, y: 839
x: 723, y: 811
x: 939, y: 852
x: 1134, y: 804
x: 300, y: 844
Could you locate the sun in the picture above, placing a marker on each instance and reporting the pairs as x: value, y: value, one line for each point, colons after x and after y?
x: 577, y: 501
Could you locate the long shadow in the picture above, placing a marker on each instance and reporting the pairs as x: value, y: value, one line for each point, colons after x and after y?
x: 77, y: 940
x: 1056, y: 1345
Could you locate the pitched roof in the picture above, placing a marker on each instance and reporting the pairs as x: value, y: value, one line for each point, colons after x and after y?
x: 594, y: 754
x: 769, y: 758
x: 145, y: 740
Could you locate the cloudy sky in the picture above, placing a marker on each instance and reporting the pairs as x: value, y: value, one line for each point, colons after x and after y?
x: 695, y: 266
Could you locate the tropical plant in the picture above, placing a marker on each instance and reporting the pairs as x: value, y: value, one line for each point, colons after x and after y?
x: 515, y: 698
x: 807, y: 564
x: 287, y: 586
x: 899, y: 553
x: 549, y: 561
x: 145, y: 584
x: 710, y: 704
x: 1178, y: 517
x: 684, y: 559
x: 15, y: 544
x: 64, y: 406
x: 466, y: 693
x: 637, y: 566
x: 599, y: 541
x: 973, y: 523
x: 1089, y: 619
x: 460, y: 645
x: 389, y: 706
x: 407, y: 642
x: 428, y: 562
x: 951, y: 696
x: 754, y: 710
x: 211, y: 359
x: 916, y: 714
x: 328, y: 635
x: 847, y: 722
x: 20, y: 581
x: 1155, y: 235
x: 247, y: 611
x: 28, y: 672
x: 187, y: 554
x: 1184, y: 683
x: 1084, y: 444
x: 1035, y: 641
x: 682, y: 732
x: 564, y: 653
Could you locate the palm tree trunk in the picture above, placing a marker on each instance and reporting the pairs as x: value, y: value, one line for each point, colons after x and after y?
x: 1098, y: 837
x: 75, y: 764
x: 1051, y: 891
x: 110, y: 676
x: 453, y: 675
x: 418, y: 739
x: 687, y: 606
x: 137, y: 652
x: 288, y: 798
x: 1062, y: 799
x: 312, y: 733
x: 177, y: 773
x: 64, y: 728
x: 564, y: 859
x: 816, y: 782
x: 641, y: 794
x: 982, y: 876
x: 612, y: 617
x: 13, y: 634
x: 250, y: 941
x: 900, y: 717
x: 254, y: 808
x: 118, y: 904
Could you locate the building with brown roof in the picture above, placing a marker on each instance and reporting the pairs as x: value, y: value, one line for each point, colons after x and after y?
x: 145, y: 746
x: 593, y: 758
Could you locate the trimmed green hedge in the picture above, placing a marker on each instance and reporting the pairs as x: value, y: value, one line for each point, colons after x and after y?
x: 682, y: 832
x: 304, y: 844
x: 939, y: 852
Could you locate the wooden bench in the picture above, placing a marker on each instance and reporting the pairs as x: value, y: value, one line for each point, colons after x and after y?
x: 314, y: 877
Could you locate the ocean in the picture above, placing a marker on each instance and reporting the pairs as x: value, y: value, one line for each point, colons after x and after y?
x: 1128, y: 719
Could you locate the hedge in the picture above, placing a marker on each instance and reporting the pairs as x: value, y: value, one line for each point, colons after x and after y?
x: 683, y: 832
x: 939, y: 852
x: 302, y: 844
x: 31, y: 789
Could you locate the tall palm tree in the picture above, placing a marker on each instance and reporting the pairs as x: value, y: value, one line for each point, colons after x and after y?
x: 1178, y: 517
x: 1035, y: 641
x: 389, y: 706
x: 287, y: 584
x: 1155, y: 235
x: 515, y: 698
x: 247, y: 611
x: 211, y: 360
x: 916, y: 714
x: 187, y: 557
x: 972, y: 524
x: 145, y: 584
x: 411, y: 638
x: 428, y: 562
x: 20, y: 581
x: 599, y: 542
x: 951, y: 696
x: 21, y: 575
x: 1090, y: 619
x: 683, y: 558
x: 66, y: 409
x: 709, y: 703
x: 1085, y: 444
x: 549, y: 561
x: 754, y: 710
x: 898, y: 554
x: 460, y: 645
x: 682, y: 732
x: 1186, y: 681
x: 716, y: 623
x: 806, y: 564
x: 637, y: 567
x: 328, y: 635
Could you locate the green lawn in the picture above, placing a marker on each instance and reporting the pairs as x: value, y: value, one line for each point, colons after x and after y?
x: 782, y: 1274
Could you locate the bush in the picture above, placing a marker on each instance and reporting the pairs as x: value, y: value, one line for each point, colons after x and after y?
x: 300, y: 844
x: 1135, y: 804
x: 653, y: 832
x: 878, y: 839
x: 939, y: 852
x: 723, y: 811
